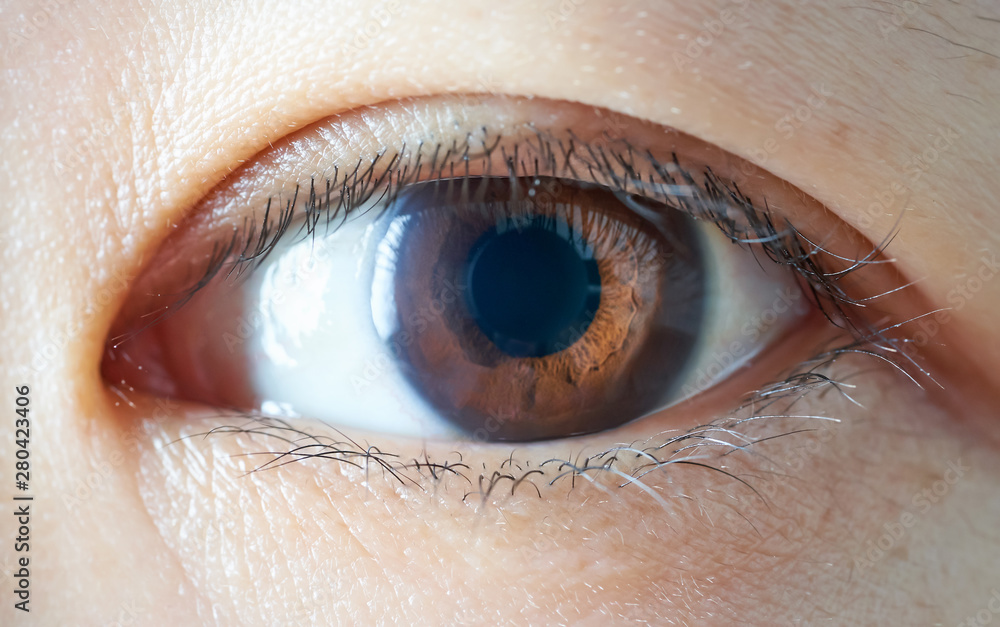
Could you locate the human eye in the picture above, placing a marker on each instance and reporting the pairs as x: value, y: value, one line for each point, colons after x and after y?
x: 497, y: 269
x: 800, y: 465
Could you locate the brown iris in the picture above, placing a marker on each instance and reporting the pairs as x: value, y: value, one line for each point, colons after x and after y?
x: 534, y: 308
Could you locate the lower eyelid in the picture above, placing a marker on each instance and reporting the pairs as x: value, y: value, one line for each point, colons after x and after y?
x: 501, y: 474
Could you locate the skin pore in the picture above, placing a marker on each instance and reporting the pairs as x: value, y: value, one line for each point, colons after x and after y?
x: 121, y: 117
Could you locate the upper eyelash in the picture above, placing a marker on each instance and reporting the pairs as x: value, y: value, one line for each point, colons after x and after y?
x: 328, y: 203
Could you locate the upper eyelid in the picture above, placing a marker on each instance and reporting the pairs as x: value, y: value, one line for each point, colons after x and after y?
x: 352, y: 140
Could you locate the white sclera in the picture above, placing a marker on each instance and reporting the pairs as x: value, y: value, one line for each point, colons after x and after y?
x: 316, y: 352
x: 751, y: 303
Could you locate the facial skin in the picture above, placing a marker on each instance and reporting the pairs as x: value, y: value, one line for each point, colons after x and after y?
x: 120, y: 117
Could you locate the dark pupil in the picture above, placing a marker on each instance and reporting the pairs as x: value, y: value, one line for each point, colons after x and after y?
x: 532, y: 290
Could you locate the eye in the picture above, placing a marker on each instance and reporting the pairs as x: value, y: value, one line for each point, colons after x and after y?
x: 521, y: 284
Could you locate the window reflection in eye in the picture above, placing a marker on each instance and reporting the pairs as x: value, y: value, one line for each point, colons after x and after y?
x: 506, y: 286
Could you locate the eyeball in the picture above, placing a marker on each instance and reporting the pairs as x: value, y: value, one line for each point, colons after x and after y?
x: 485, y: 307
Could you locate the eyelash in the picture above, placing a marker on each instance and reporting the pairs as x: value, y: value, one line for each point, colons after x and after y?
x: 619, y: 169
x: 343, y: 195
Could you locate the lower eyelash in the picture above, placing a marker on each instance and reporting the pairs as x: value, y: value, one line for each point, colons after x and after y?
x: 625, y: 465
